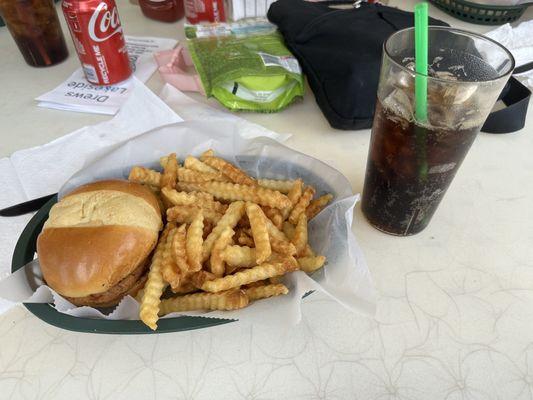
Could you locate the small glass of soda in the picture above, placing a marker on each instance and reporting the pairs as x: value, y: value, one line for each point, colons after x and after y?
x: 35, y: 28
x: 411, y: 163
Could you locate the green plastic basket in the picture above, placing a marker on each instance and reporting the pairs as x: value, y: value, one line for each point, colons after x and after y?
x: 482, y: 14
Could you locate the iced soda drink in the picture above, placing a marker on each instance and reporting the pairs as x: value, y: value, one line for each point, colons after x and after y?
x: 411, y: 163
x: 35, y: 28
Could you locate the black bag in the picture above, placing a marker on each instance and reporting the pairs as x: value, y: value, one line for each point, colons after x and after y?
x: 340, y: 52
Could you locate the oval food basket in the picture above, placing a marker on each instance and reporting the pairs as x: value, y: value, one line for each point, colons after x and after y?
x: 482, y: 14
x: 25, y: 252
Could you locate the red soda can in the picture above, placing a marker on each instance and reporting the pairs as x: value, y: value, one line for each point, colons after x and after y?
x: 98, y: 38
x: 198, y: 11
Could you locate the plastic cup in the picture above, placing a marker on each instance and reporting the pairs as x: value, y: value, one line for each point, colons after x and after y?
x: 35, y: 28
x: 411, y: 163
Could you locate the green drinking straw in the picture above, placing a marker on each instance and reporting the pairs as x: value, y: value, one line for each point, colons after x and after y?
x: 421, y: 87
x: 421, y: 62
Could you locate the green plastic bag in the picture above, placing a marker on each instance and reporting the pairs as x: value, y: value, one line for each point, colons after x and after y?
x: 245, y: 66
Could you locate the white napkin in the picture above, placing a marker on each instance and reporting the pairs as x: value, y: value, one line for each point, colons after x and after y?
x: 519, y: 42
x: 77, y: 94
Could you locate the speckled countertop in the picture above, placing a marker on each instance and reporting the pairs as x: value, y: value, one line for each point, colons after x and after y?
x: 454, y: 315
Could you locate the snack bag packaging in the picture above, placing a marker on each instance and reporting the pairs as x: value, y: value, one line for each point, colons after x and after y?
x: 245, y: 66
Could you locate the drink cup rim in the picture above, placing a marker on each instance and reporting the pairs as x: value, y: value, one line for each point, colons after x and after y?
x: 459, y: 31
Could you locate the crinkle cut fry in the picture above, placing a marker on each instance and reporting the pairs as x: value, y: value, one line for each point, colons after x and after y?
x: 185, y: 214
x: 170, y: 172
x: 207, y: 153
x: 287, y: 228
x: 228, y: 300
x: 302, y: 204
x: 274, y: 215
x: 317, y: 205
x: 246, y: 276
x: 300, y: 234
x: 155, y: 285
x: 259, y: 232
x: 169, y: 269
x: 237, y: 175
x: 274, y: 232
x: 195, y: 164
x: 265, y: 291
x: 179, y: 251
x: 145, y: 176
x: 217, y: 261
x: 284, y: 258
x: 192, y: 199
x: 178, y: 198
x: 230, y: 218
x: 311, y: 263
x: 274, y: 184
x: 239, y: 256
x: 294, y: 195
x: 194, y: 242
x: 279, y: 241
x: 234, y: 192
x: 191, y: 175
x: 255, y: 276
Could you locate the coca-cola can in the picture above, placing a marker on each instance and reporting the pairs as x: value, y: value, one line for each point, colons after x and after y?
x: 197, y: 11
x: 97, y: 34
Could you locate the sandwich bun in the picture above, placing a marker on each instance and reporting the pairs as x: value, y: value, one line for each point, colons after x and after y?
x: 94, y: 247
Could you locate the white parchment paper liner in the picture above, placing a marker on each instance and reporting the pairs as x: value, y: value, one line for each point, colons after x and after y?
x: 345, y: 277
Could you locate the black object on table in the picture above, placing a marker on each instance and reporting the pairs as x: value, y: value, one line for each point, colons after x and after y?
x: 26, y: 207
x: 340, y: 52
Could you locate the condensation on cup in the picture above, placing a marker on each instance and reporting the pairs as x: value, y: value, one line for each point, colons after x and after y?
x: 411, y: 162
x: 97, y: 34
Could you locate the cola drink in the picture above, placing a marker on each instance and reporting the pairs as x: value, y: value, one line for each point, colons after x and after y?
x: 35, y: 28
x: 418, y: 142
x: 398, y: 198
x: 97, y: 34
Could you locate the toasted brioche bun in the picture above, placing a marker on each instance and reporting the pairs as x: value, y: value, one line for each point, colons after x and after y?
x: 96, y: 237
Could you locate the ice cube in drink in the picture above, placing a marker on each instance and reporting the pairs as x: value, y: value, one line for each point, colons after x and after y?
x: 402, y: 191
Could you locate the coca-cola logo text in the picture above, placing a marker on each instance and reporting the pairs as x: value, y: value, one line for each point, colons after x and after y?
x: 104, y: 23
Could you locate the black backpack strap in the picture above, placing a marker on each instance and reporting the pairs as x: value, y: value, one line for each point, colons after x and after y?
x: 513, y: 117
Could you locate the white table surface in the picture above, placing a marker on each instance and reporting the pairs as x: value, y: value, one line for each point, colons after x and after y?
x: 454, y: 315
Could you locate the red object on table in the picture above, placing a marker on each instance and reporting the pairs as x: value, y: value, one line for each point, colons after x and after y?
x: 162, y: 10
x: 99, y: 40
x: 198, y: 11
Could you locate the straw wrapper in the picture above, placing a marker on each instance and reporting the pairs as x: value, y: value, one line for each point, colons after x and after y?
x: 345, y: 277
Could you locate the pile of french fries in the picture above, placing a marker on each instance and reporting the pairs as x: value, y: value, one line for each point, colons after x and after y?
x: 228, y: 238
